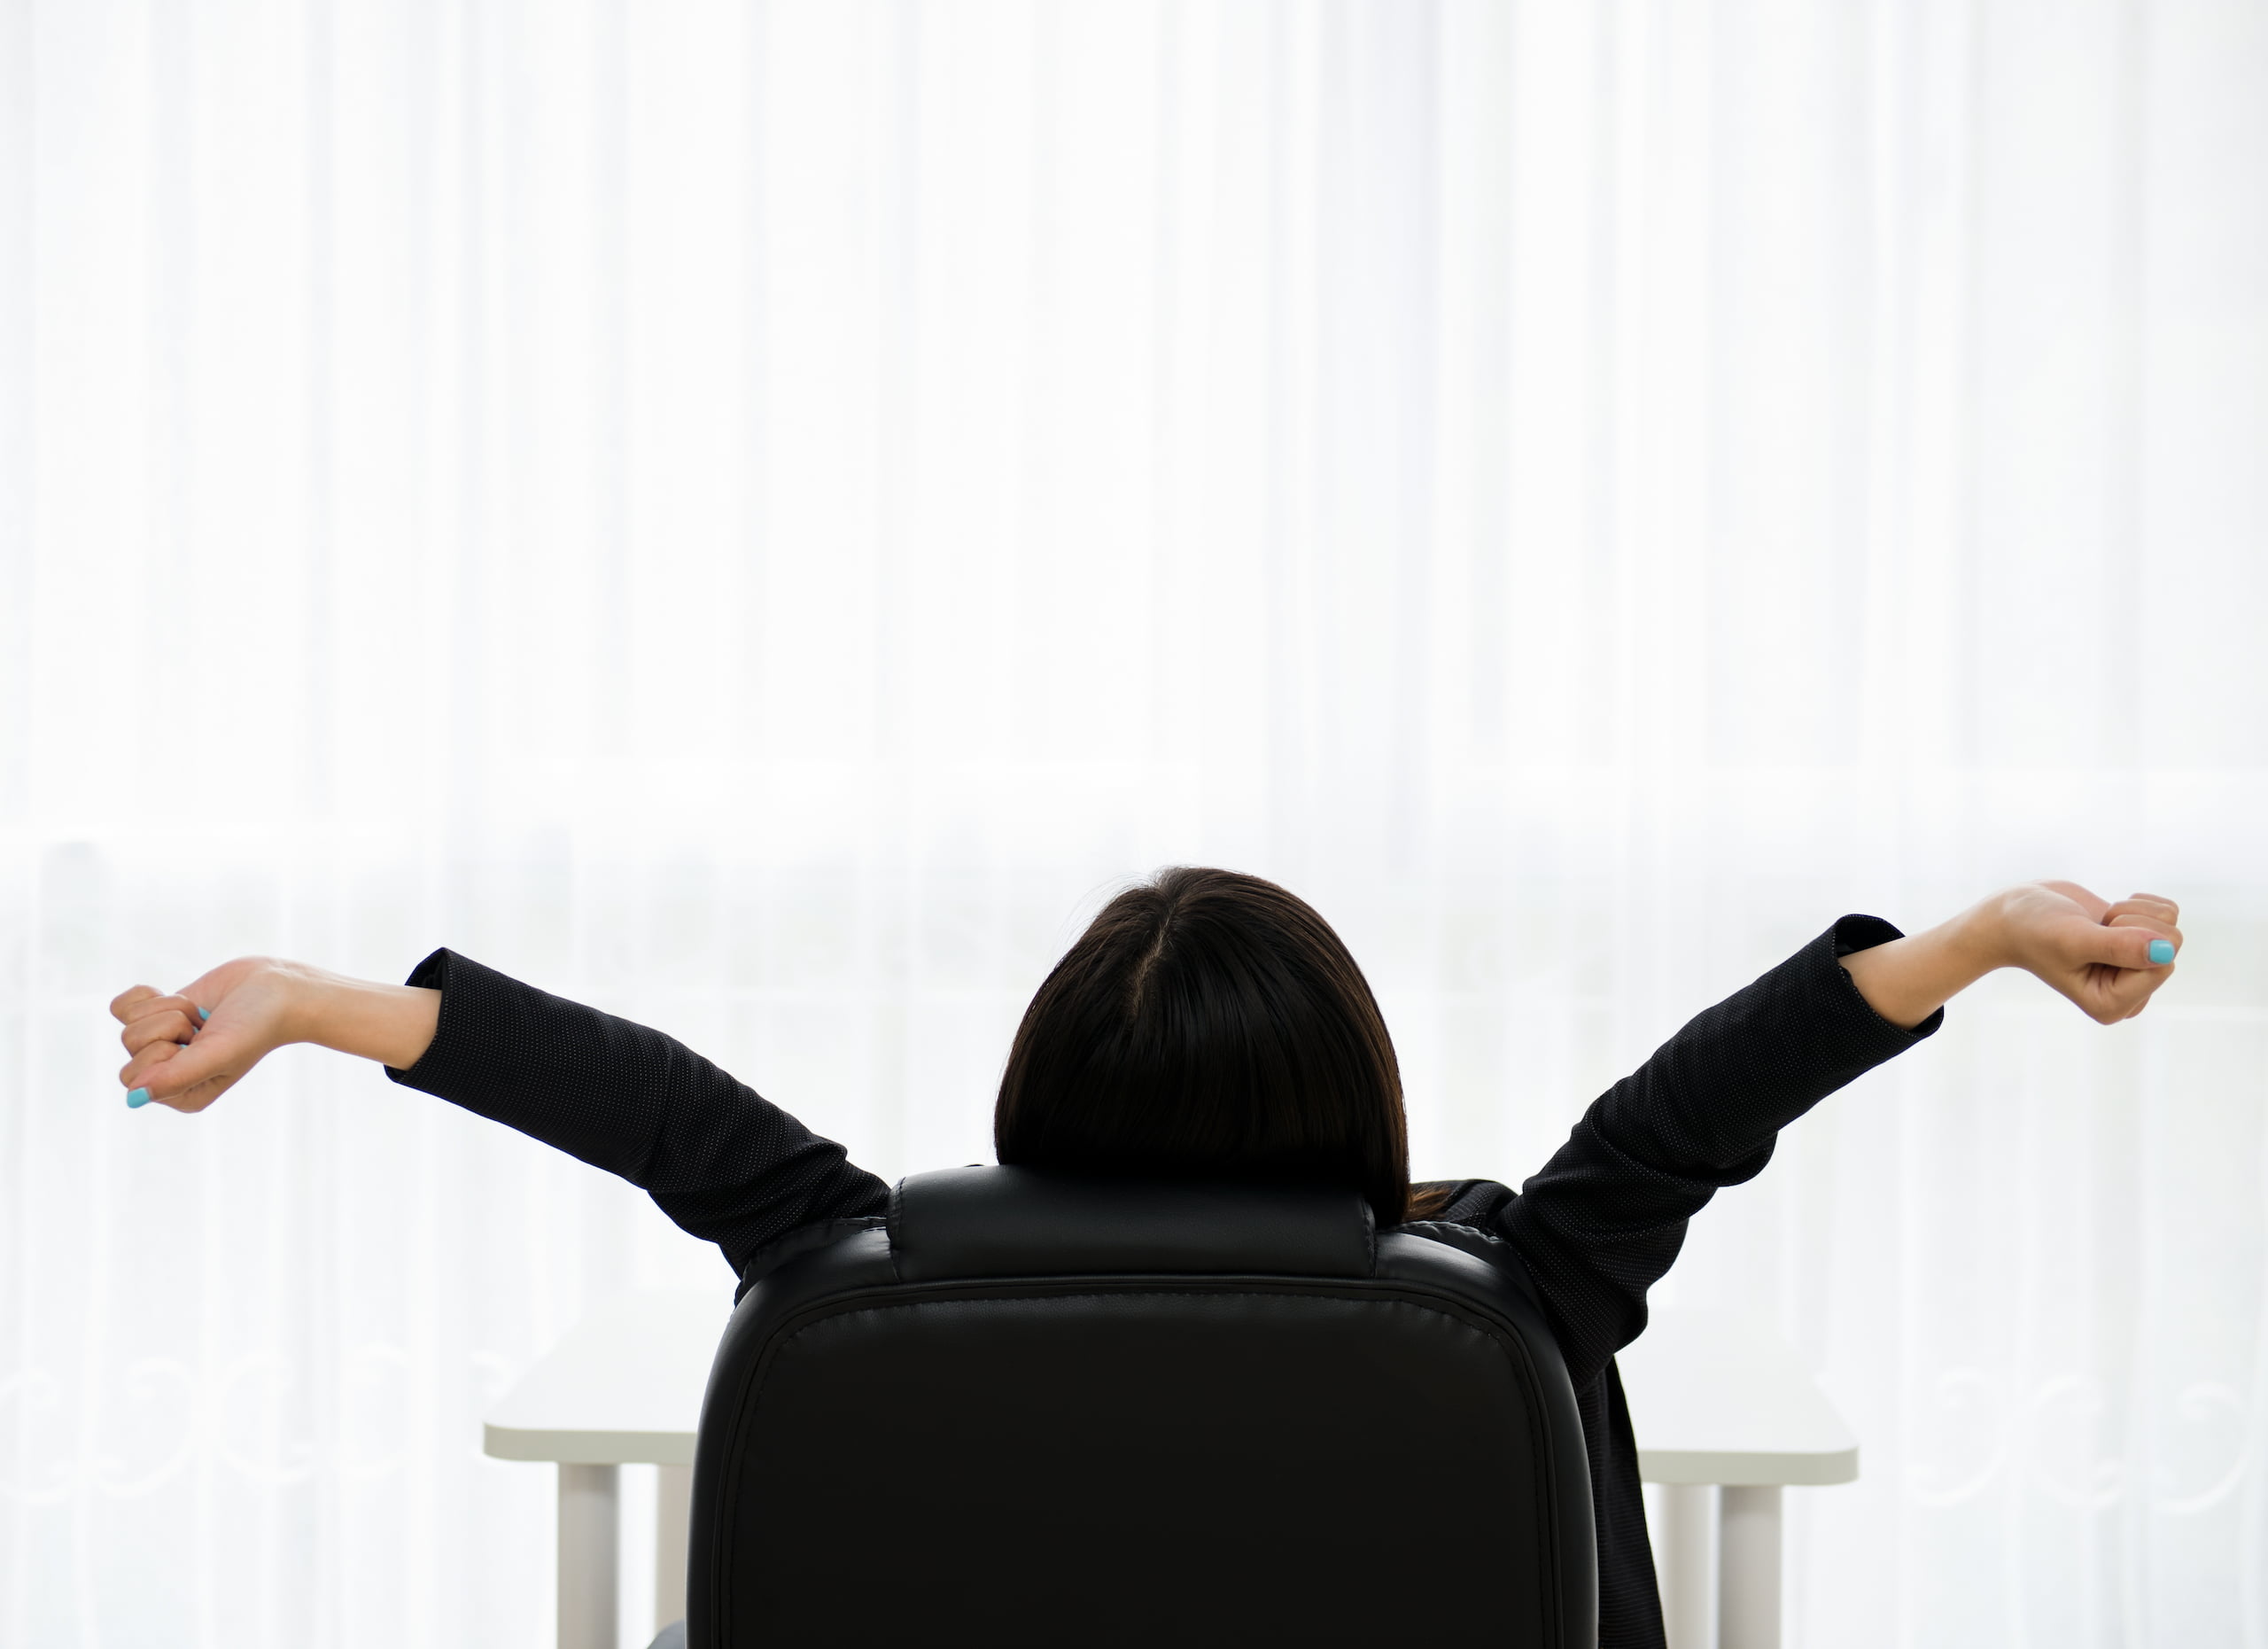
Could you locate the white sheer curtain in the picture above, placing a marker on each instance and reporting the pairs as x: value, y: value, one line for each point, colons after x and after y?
x: 757, y: 517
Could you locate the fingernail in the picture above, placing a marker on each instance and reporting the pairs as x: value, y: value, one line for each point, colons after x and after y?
x: 204, y: 1013
x: 139, y: 1098
x: 2161, y: 949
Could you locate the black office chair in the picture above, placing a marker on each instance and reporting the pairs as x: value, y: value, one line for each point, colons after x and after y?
x: 1034, y: 1409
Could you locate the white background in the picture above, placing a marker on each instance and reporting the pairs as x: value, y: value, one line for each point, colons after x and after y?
x: 759, y: 518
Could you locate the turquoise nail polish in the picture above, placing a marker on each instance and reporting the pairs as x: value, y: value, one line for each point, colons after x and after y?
x: 139, y: 1098
x: 2161, y: 949
x: 204, y: 1014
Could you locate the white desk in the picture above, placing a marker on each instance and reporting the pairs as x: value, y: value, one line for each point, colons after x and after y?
x: 1723, y: 1407
x: 624, y: 1387
x: 1717, y: 1399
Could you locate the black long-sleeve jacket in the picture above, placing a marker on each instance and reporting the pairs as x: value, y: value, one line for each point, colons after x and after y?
x: 1596, y: 1226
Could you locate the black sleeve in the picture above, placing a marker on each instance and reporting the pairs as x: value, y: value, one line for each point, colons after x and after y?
x: 1606, y: 1216
x: 725, y: 1163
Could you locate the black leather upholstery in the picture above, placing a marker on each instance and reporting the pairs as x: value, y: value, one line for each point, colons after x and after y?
x: 1039, y: 1410
x: 992, y: 1222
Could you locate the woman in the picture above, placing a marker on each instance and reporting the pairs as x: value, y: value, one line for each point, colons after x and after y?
x: 1206, y: 1022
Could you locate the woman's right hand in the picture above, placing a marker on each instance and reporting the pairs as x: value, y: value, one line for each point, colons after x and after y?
x: 192, y: 1046
x: 2099, y: 954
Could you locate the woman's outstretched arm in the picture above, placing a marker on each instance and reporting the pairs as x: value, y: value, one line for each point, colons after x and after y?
x: 1605, y: 1217
x: 721, y: 1160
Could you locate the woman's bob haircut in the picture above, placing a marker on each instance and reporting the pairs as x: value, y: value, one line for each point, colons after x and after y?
x: 1208, y: 1025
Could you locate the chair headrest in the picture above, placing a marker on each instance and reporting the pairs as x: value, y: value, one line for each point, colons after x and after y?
x: 1022, y: 1222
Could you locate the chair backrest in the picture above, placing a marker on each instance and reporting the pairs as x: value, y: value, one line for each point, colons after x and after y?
x: 1037, y: 1409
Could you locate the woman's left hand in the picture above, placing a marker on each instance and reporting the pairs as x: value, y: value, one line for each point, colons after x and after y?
x: 188, y: 1048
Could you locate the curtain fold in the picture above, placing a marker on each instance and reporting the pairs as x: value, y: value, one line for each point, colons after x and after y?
x: 760, y: 516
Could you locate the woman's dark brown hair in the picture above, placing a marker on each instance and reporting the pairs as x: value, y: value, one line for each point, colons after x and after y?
x: 1209, y: 1023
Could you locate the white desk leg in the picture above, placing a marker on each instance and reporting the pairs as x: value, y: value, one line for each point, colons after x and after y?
x: 1687, y: 1564
x: 673, y: 1527
x: 588, y: 1561
x: 1748, y: 1573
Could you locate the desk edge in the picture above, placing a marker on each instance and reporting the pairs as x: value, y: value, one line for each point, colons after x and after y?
x: 587, y: 1447
x: 1742, y: 1469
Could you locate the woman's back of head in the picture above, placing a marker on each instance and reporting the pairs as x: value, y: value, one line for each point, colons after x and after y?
x: 1208, y: 1024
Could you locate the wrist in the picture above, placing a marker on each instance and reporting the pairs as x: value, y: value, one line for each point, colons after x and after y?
x: 307, y: 1000
x: 391, y: 1023
x: 1984, y: 936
